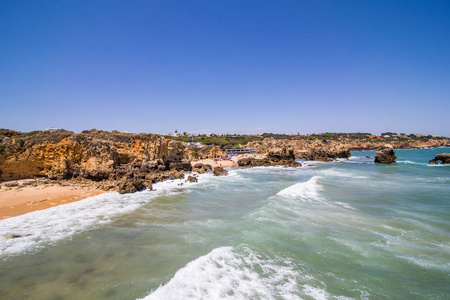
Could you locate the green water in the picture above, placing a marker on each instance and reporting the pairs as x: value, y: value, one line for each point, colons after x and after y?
x: 341, y: 230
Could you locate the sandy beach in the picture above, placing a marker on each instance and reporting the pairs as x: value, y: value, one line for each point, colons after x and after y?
x: 225, y: 163
x: 16, y: 201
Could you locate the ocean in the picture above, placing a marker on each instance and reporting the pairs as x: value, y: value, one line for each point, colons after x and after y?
x: 349, y: 229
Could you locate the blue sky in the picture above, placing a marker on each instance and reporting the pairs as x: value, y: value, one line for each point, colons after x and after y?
x: 226, y: 66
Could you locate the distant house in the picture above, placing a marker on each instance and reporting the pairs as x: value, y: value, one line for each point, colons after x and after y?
x: 196, y: 144
x: 51, y: 129
x: 175, y: 134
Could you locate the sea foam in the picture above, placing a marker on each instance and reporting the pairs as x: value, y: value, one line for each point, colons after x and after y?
x: 306, y: 191
x: 46, y: 227
x: 226, y: 273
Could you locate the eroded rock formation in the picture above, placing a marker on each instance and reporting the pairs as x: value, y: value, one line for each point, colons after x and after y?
x: 281, y: 155
x: 324, y: 151
x: 219, y: 171
x: 444, y: 158
x: 201, y: 168
x: 125, y: 163
x: 385, y: 155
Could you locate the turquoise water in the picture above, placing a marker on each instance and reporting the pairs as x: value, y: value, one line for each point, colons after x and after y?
x: 340, y: 230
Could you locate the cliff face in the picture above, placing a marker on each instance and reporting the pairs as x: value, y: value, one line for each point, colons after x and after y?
x: 90, y: 156
x: 324, y: 150
x: 309, y: 150
x: 358, y: 145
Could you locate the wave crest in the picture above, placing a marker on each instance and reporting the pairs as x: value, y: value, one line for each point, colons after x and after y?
x: 305, y: 191
x: 226, y: 273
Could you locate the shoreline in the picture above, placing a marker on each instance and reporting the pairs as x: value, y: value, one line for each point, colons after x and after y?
x: 27, y: 195
x: 23, y: 196
x: 23, y: 199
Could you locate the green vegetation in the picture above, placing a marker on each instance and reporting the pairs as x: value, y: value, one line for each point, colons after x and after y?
x: 225, y: 141
x: 9, y: 133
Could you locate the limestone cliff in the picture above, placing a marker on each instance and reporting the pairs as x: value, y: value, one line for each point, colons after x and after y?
x: 324, y: 150
x: 92, y: 155
x: 308, y: 150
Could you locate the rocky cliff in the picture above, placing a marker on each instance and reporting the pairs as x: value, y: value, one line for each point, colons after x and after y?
x: 94, y: 155
x: 275, y: 154
x: 325, y: 150
x: 308, y: 150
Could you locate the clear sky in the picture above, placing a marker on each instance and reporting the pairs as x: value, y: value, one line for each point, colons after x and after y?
x: 226, y: 66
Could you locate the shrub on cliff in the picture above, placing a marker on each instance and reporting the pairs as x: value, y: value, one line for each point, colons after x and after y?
x: 9, y: 133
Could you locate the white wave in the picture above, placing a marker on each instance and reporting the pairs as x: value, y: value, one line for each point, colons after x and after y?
x: 308, y: 163
x: 360, y: 157
x: 408, y: 162
x: 45, y: 227
x: 438, y: 165
x: 316, y: 293
x: 337, y: 173
x: 225, y: 273
x: 306, y: 191
x: 426, y: 262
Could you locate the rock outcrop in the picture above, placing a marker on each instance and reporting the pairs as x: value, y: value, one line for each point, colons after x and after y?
x: 219, y: 171
x: 192, y: 179
x: 385, y: 155
x: 133, y: 185
x: 443, y: 158
x: 324, y: 151
x: 282, y: 155
x: 201, y: 168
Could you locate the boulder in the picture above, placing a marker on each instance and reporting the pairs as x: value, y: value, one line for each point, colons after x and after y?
x: 385, y: 155
x: 181, y: 166
x: 444, y: 158
x: 192, y: 179
x: 219, y: 171
x: 11, y: 184
x: 201, y: 168
x: 253, y: 162
x: 132, y: 185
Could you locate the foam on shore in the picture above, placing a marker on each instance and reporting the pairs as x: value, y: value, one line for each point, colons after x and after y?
x: 42, y: 228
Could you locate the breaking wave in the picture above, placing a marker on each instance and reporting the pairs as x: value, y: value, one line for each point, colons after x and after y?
x: 306, y: 191
x: 225, y: 273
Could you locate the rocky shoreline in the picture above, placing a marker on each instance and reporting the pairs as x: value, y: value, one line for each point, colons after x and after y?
x: 126, y: 163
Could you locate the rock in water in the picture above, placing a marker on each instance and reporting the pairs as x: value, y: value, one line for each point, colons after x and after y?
x: 219, y: 171
x: 385, y: 155
x: 201, y: 168
x: 132, y: 185
x: 443, y: 158
x: 192, y: 179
